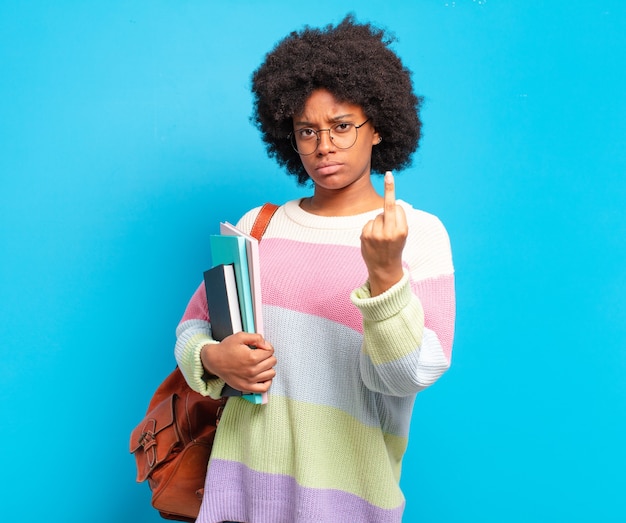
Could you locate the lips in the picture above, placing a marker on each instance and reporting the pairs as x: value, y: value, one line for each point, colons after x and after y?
x: 326, y: 169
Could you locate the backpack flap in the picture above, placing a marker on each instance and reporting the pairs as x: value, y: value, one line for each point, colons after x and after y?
x: 155, y: 438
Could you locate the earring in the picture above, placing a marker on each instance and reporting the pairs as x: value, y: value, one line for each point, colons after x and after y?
x: 380, y: 139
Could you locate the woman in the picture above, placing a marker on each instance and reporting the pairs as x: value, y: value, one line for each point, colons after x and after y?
x: 358, y: 294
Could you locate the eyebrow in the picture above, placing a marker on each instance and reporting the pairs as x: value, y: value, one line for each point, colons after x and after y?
x: 334, y: 119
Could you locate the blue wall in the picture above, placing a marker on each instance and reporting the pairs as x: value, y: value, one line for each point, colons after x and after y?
x: 125, y: 139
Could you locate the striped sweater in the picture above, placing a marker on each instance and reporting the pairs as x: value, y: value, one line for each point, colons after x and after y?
x: 328, y: 445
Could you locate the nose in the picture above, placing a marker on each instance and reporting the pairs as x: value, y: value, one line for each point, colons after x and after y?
x: 325, y: 142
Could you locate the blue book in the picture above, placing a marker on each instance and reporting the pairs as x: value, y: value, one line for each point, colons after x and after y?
x: 232, y: 249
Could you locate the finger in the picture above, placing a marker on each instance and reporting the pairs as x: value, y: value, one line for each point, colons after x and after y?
x: 259, y: 387
x: 401, y: 219
x: 264, y: 345
x: 262, y: 360
x: 389, y: 210
x: 252, y: 340
x: 268, y: 375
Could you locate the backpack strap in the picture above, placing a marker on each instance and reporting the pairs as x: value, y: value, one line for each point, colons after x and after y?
x: 262, y: 220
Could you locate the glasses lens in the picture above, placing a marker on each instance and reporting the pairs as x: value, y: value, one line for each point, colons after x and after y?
x: 304, y: 141
x: 343, y: 135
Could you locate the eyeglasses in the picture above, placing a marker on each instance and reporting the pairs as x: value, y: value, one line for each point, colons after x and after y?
x: 343, y: 135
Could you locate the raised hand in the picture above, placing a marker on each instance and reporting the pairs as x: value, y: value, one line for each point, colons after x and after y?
x: 383, y: 240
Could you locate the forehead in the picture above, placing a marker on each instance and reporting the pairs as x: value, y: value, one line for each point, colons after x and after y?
x: 322, y: 106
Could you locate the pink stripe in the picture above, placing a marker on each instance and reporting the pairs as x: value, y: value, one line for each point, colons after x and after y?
x: 313, y: 279
x: 438, y: 301
x: 197, y: 308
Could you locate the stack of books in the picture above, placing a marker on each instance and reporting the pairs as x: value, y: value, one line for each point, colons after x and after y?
x: 233, y: 290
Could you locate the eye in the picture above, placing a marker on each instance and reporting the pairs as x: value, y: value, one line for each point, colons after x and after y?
x: 306, y: 134
x: 343, y: 127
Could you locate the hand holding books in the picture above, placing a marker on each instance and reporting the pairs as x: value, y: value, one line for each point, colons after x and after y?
x: 243, y: 369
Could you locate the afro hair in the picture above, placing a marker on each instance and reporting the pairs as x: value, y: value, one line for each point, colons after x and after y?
x: 352, y: 61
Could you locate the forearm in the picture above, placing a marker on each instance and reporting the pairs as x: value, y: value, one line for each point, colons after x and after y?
x: 400, y: 356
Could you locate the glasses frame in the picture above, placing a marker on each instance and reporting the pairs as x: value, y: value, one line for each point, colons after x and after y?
x: 292, y: 137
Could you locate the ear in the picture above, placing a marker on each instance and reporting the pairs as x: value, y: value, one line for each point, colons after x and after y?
x: 376, y: 138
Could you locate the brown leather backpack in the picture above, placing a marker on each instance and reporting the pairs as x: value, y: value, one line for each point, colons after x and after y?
x: 172, y: 446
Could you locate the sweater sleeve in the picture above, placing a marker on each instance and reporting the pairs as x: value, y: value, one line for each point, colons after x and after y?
x: 408, y: 330
x: 192, y: 333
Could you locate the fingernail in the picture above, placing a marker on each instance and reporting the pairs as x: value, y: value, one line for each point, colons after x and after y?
x: 388, y: 177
